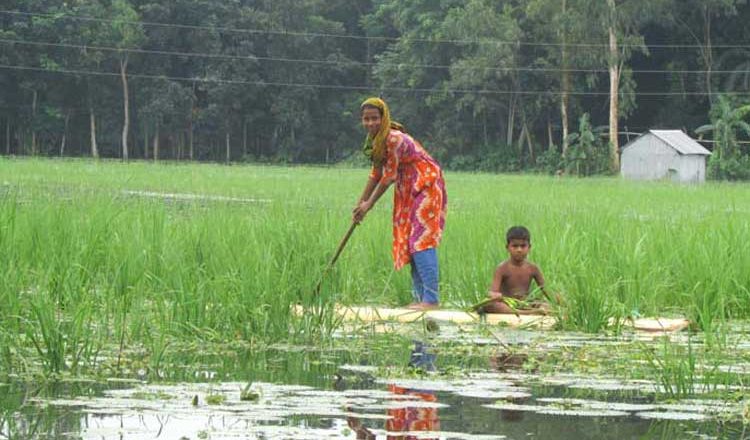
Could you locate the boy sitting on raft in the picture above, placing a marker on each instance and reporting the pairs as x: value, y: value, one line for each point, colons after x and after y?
x: 512, y: 280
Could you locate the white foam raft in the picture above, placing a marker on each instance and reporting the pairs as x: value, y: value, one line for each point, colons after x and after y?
x: 376, y: 314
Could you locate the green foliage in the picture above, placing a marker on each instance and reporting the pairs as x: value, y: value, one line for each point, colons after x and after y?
x: 729, y: 160
x: 683, y: 370
x: 587, y: 310
x: 492, y: 158
x: 675, y: 368
x: 586, y: 155
x: 280, y: 82
x: 551, y: 161
x: 215, y: 399
x: 728, y: 168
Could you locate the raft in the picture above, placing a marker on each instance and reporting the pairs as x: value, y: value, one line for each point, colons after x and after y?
x: 372, y: 314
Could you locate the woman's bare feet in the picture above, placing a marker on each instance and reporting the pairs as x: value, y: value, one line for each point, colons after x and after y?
x: 423, y: 306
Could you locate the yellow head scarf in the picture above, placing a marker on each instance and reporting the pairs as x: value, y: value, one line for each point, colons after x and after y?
x: 374, y: 147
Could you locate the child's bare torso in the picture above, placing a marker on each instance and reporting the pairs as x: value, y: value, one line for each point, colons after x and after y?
x: 515, y: 279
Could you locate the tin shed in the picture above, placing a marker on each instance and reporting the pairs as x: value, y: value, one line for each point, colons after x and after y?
x: 664, y: 154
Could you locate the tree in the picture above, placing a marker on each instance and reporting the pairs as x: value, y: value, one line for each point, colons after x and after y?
x: 88, y: 34
x: 728, y: 120
x: 126, y: 33
x: 487, y: 66
x: 700, y: 15
x: 468, y: 84
x: 167, y: 107
x: 482, y: 83
x: 618, y: 22
x: 558, y: 22
x: 585, y: 155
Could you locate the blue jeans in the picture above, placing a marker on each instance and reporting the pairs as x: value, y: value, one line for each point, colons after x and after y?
x: 424, y: 276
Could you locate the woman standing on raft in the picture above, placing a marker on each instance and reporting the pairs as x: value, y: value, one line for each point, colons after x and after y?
x: 419, y: 201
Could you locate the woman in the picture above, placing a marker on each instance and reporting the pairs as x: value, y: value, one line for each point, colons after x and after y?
x: 419, y: 200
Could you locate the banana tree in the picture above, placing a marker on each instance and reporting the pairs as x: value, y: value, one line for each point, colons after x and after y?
x: 728, y: 121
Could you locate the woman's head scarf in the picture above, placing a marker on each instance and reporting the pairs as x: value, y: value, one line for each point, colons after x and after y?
x: 375, y: 147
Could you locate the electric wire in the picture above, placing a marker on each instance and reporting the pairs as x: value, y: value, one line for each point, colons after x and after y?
x: 350, y: 63
x: 351, y: 87
x: 303, y: 34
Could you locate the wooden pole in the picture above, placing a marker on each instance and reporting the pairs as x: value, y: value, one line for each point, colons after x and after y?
x: 342, y: 244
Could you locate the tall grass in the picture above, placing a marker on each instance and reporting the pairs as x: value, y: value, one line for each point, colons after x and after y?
x: 674, y: 368
x: 684, y: 370
x: 87, y: 265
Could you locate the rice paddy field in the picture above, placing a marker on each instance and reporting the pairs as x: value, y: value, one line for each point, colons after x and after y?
x: 140, y: 298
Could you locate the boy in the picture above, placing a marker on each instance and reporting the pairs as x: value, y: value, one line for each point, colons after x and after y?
x: 513, y: 277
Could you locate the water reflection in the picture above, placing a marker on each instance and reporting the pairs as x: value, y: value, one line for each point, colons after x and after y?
x: 409, y: 419
x: 22, y: 418
x: 405, y: 420
x: 422, y: 356
x: 505, y: 362
x: 510, y: 400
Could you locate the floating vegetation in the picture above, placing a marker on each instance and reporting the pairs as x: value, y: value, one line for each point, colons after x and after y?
x: 366, y: 369
x: 688, y: 410
x: 494, y: 394
x: 600, y: 384
x: 277, y: 404
x: 593, y: 404
x: 217, y: 399
x: 250, y: 393
x: 671, y: 415
x: 557, y: 410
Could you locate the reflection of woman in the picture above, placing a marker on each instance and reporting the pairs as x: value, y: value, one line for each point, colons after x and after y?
x: 409, y: 419
x: 419, y: 200
x: 405, y: 419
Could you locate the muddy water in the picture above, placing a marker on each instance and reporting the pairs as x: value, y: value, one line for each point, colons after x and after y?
x: 455, y: 385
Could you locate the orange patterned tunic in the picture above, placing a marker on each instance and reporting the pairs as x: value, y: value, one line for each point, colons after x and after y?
x: 420, y: 199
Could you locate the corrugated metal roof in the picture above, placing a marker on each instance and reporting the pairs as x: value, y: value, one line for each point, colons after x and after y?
x: 681, y: 142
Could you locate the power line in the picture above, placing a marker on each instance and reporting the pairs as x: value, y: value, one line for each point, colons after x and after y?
x: 180, y: 53
x: 346, y: 87
x: 347, y: 62
x: 366, y: 37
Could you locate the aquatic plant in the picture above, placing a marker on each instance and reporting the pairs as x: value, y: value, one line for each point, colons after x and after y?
x: 674, y: 367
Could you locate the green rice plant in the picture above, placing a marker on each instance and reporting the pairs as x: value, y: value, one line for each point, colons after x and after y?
x: 586, y: 310
x: 684, y: 370
x: 62, y: 343
x: 225, y: 252
x: 674, y: 368
x: 11, y: 358
x: 709, y: 314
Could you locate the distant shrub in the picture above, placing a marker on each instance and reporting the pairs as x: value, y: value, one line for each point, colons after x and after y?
x: 550, y: 162
x: 728, y: 168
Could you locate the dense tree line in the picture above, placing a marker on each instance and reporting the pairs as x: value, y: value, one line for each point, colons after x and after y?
x: 487, y: 84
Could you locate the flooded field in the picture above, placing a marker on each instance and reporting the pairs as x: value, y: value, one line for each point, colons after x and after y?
x: 155, y: 301
x: 451, y: 383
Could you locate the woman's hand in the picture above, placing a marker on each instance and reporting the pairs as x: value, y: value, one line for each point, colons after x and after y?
x: 360, y: 211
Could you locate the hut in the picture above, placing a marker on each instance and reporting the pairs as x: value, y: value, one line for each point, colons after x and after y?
x: 664, y: 154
